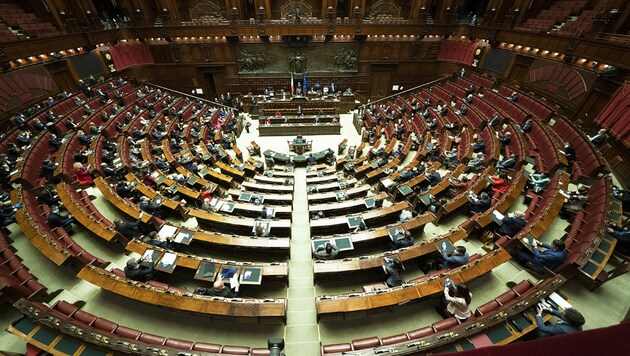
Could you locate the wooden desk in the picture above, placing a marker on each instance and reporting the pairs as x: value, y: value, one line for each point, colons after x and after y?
x: 274, y: 199
x: 239, y: 224
x: 299, y: 129
x: 346, y: 206
x: 340, y: 223
x: 261, y: 187
x: 185, y: 260
x: 331, y: 196
x: 257, y: 308
x: 429, y: 286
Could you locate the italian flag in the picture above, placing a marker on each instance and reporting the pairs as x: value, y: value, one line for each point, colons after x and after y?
x: 292, y: 85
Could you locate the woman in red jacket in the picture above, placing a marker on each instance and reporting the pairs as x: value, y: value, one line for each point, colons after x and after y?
x: 499, y: 183
x: 83, y: 174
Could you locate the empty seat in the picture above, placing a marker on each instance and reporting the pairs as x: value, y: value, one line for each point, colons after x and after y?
x: 150, y: 338
x: 65, y: 307
x: 178, y: 344
x: 394, y: 339
x: 235, y: 350
x: 445, y: 324
x: 206, y: 347
x: 366, y: 343
x: 420, y: 333
x: 336, y: 348
x: 487, y: 308
x: 105, y: 325
x: 522, y: 287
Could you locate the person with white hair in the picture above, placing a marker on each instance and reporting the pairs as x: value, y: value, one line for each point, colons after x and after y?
x: 136, y: 271
x: 512, y: 224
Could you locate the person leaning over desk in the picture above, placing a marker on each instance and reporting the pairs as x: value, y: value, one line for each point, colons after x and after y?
x: 394, y: 269
x: 326, y: 252
x: 571, y: 321
x: 219, y: 289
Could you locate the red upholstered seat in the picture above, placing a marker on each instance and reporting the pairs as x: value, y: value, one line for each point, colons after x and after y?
x: 366, y: 343
x: 336, y: 348
x: 84, y: 317
x: 105, y: 325
x: 119, y: 272
x: 394, y: 339
x: 179, y: 344
x: 445, y: 324
x: 150, y: 338
x: 206, y: 347
x: 487, y: 308
x: 419, y: 333
x: 522, y: 287
x: 260, y: 352
x: 65, y: 307
x: 235, y: 350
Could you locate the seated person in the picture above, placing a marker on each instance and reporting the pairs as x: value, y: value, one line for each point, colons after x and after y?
x: 219, y: 289
x: 83, y: 175
x: 326, y: 252
x: 463, y: 110
x: 129, y: 230
x: 495, y: 121
x: 48, y: 195
x: 499, y: 184
x: 148, y: 206
x: 574, y: 202
x: 457, y: 257
x: 433, y: 177
x: 569, y: 152
x: 54, y: 142
x: 507, y: 163
x: 403, y: 239
x: 526, y: 126
x: 479, y: 146
x: 622, y: 234
x: 454, y: 126
x: 512, y: 224
x: 571, y: 322
x: 468, y: 98
x: 311, y: 159
x: 553, y: 257
x: 476, y: 164
x: 513, y: 96
x: 599, y: 138
x: 48, y: 170
x: 167, y: 243
x: 260, y: 231
x: 479, y: 204
x: 135, y: 271
x: 538, y: 182
x: 505, y: 140
x: 394, y: 269
x: 56, y: 219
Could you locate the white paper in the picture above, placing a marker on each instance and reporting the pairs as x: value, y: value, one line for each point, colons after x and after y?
x: 168, y: 259
x: 167, y: 231
x: 180, y: 237
x: 562, y: 303
x: 148, y: 255
x: 497, y: 215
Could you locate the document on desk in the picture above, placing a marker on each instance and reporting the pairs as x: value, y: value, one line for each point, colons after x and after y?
x: 168, y: 259
x: 561, y: 302
x: 387, y: 182
x: 167, y: 231
x: 497, y: 217
x: 148, y: 255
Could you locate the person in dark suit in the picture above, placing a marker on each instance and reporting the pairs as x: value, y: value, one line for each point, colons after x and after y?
x: 480, y: 204
x: 479, y: 146
x: 326, y: 252
x: 311, y: 159
x: 458, y: 257
x: 56, y: 219
x: 599, y: 138
x: 622, y: 235
x: 406, y: 240
x: 526, y: 126
x: 571, y: 321
x: 394, y: 269
x: 551, y: 258
x: 54, y: 142
x: 433, y: 177
x: 507, y: 163
x: 569, y: 152
x: 48, y: 170
x: 299, y: 111
x: 512, y: 224
x: 48, y: 196
x: 128, y: 229
x: 219, y: 290
x: 495, y: 120
x: 135, y: 271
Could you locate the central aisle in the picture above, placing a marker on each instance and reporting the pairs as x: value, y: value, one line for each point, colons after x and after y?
x: 302, y: 332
